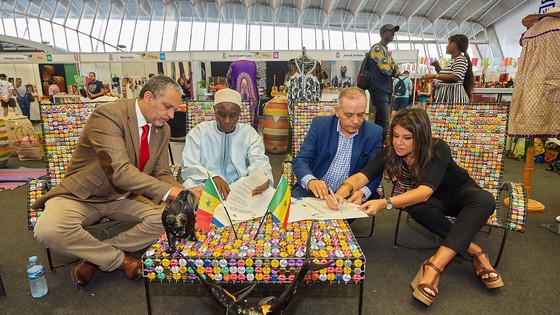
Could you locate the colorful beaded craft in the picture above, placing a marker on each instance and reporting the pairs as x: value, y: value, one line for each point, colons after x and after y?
x: 62, y: 126
x: 274, y: 255
x: 476, y: 134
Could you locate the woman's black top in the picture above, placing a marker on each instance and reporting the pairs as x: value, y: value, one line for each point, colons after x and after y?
x: 441, y: 174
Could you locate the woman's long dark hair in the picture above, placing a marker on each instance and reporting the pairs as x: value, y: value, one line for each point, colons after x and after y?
x: 462, y: 43
x: 416, y: 121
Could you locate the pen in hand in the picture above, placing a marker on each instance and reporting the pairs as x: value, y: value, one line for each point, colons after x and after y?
x: 335, y: 200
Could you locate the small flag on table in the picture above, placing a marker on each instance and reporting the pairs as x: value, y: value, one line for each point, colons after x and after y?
x: 209, y: 200
x: 279, y: 205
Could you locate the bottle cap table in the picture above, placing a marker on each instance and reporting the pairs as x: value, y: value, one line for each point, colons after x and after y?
x: 272, y: 256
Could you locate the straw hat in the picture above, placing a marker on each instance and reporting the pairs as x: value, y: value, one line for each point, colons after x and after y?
x: 227, y: 96
x: 530, y: 19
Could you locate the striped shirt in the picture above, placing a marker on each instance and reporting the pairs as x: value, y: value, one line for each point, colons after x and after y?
x: 453, y: 92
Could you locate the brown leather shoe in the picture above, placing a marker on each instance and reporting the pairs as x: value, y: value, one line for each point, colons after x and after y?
x: 131, y: 267
x: 82, y: 273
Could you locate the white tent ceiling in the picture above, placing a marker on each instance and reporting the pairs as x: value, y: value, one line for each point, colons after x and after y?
x: 417, y: 18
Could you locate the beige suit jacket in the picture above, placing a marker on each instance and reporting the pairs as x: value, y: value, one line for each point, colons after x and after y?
x: 104, y: 165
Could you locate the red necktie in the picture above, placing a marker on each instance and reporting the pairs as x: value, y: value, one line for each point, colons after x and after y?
x: 144, y: 147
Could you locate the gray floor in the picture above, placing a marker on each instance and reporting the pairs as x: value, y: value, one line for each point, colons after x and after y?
x: 530, y: 269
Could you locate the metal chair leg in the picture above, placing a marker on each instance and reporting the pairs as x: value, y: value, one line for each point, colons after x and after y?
x: 148, y: 300
x: 397, y: 229
x: 395, y: 240
x: 370, y: 230
x: 171, y: 154
x: 360, y: 305
x: 501, y: 248
x: 49, y: 259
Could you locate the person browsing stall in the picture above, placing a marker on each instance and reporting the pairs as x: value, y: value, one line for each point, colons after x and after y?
x: 455, y: 82
x: 402, y: 91
x: 7, y: 93
x: 434, y: 187
x: 224, y: 148
x: 95, y: 87
x: 337, y: 146
x: 119, y: 170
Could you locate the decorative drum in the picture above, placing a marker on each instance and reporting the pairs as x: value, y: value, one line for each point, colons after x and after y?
x: 275, y: 125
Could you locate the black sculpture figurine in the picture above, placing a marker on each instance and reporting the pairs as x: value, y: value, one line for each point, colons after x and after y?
x: 178, y: 218
x: 237, y: 305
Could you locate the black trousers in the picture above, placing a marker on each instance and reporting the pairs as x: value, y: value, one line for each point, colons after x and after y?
x: 471, y: 206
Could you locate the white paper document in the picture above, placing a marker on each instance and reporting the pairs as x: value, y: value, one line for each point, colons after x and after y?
x: 240, y: 203
x: 317, y: 209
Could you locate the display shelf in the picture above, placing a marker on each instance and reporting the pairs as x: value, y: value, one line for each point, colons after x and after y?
x: 489, y: 95
x: 66, y: 98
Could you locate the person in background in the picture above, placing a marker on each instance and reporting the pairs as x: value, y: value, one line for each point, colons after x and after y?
x: 53, y: 89
x: 455, y: 82
x: 7, y: 93
x: 22, y: 93
x: 336, y: 147
x: 185, y: 87
x: 436, y: 187
x: 401, y: 101
x: 83, y: 96
x: 119, y: 170
x: 384, y: 69
x: 221, y: 84
x: 95, y: 88
x: 224, y: 149
x: 425, y: 92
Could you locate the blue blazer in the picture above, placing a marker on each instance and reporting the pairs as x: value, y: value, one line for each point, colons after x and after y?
x: 319, y: 148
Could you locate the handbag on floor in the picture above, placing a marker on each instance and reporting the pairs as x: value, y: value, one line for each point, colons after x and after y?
x: 26, y: 144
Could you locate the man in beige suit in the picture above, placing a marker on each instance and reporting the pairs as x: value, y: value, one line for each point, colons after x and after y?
x: 104, y: 179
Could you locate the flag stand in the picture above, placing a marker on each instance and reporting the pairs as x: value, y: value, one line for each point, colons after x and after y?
x: 260, y: 224
x: 229, y: 218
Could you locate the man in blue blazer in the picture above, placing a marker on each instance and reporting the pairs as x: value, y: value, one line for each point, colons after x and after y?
x: 336, y: 147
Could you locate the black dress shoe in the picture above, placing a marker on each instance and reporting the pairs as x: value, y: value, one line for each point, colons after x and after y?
x: 82, y: 273
x: 131, y: 267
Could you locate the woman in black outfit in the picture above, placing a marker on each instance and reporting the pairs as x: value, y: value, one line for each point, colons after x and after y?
x: 434, y: 187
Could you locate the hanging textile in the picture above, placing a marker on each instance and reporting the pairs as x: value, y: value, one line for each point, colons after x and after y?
x: 242, y: 77
x: 310, y: 89
x: 534, y: 107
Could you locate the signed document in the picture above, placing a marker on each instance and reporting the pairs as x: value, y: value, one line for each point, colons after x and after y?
x: 241, y: 204
x: 317, y: 209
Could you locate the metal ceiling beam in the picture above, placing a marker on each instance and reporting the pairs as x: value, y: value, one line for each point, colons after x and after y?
x: 383, y: 7
x: 469, y: 8
x: 329, y: 6
x: 411, y: 8
x: 301, y: 6
x: 439, y: 9
x: 498, y: 10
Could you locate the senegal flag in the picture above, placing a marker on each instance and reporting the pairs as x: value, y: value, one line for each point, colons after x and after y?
x: 279, y: 205
x: 209, y: 200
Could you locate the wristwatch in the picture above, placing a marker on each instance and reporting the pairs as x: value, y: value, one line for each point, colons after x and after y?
x: 389, y: 204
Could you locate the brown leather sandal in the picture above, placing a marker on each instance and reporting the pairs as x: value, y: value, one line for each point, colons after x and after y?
x: 418, y: 288
x: 485, y: 275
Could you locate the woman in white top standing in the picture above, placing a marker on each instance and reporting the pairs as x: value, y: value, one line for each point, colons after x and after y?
x: 455, y: 82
